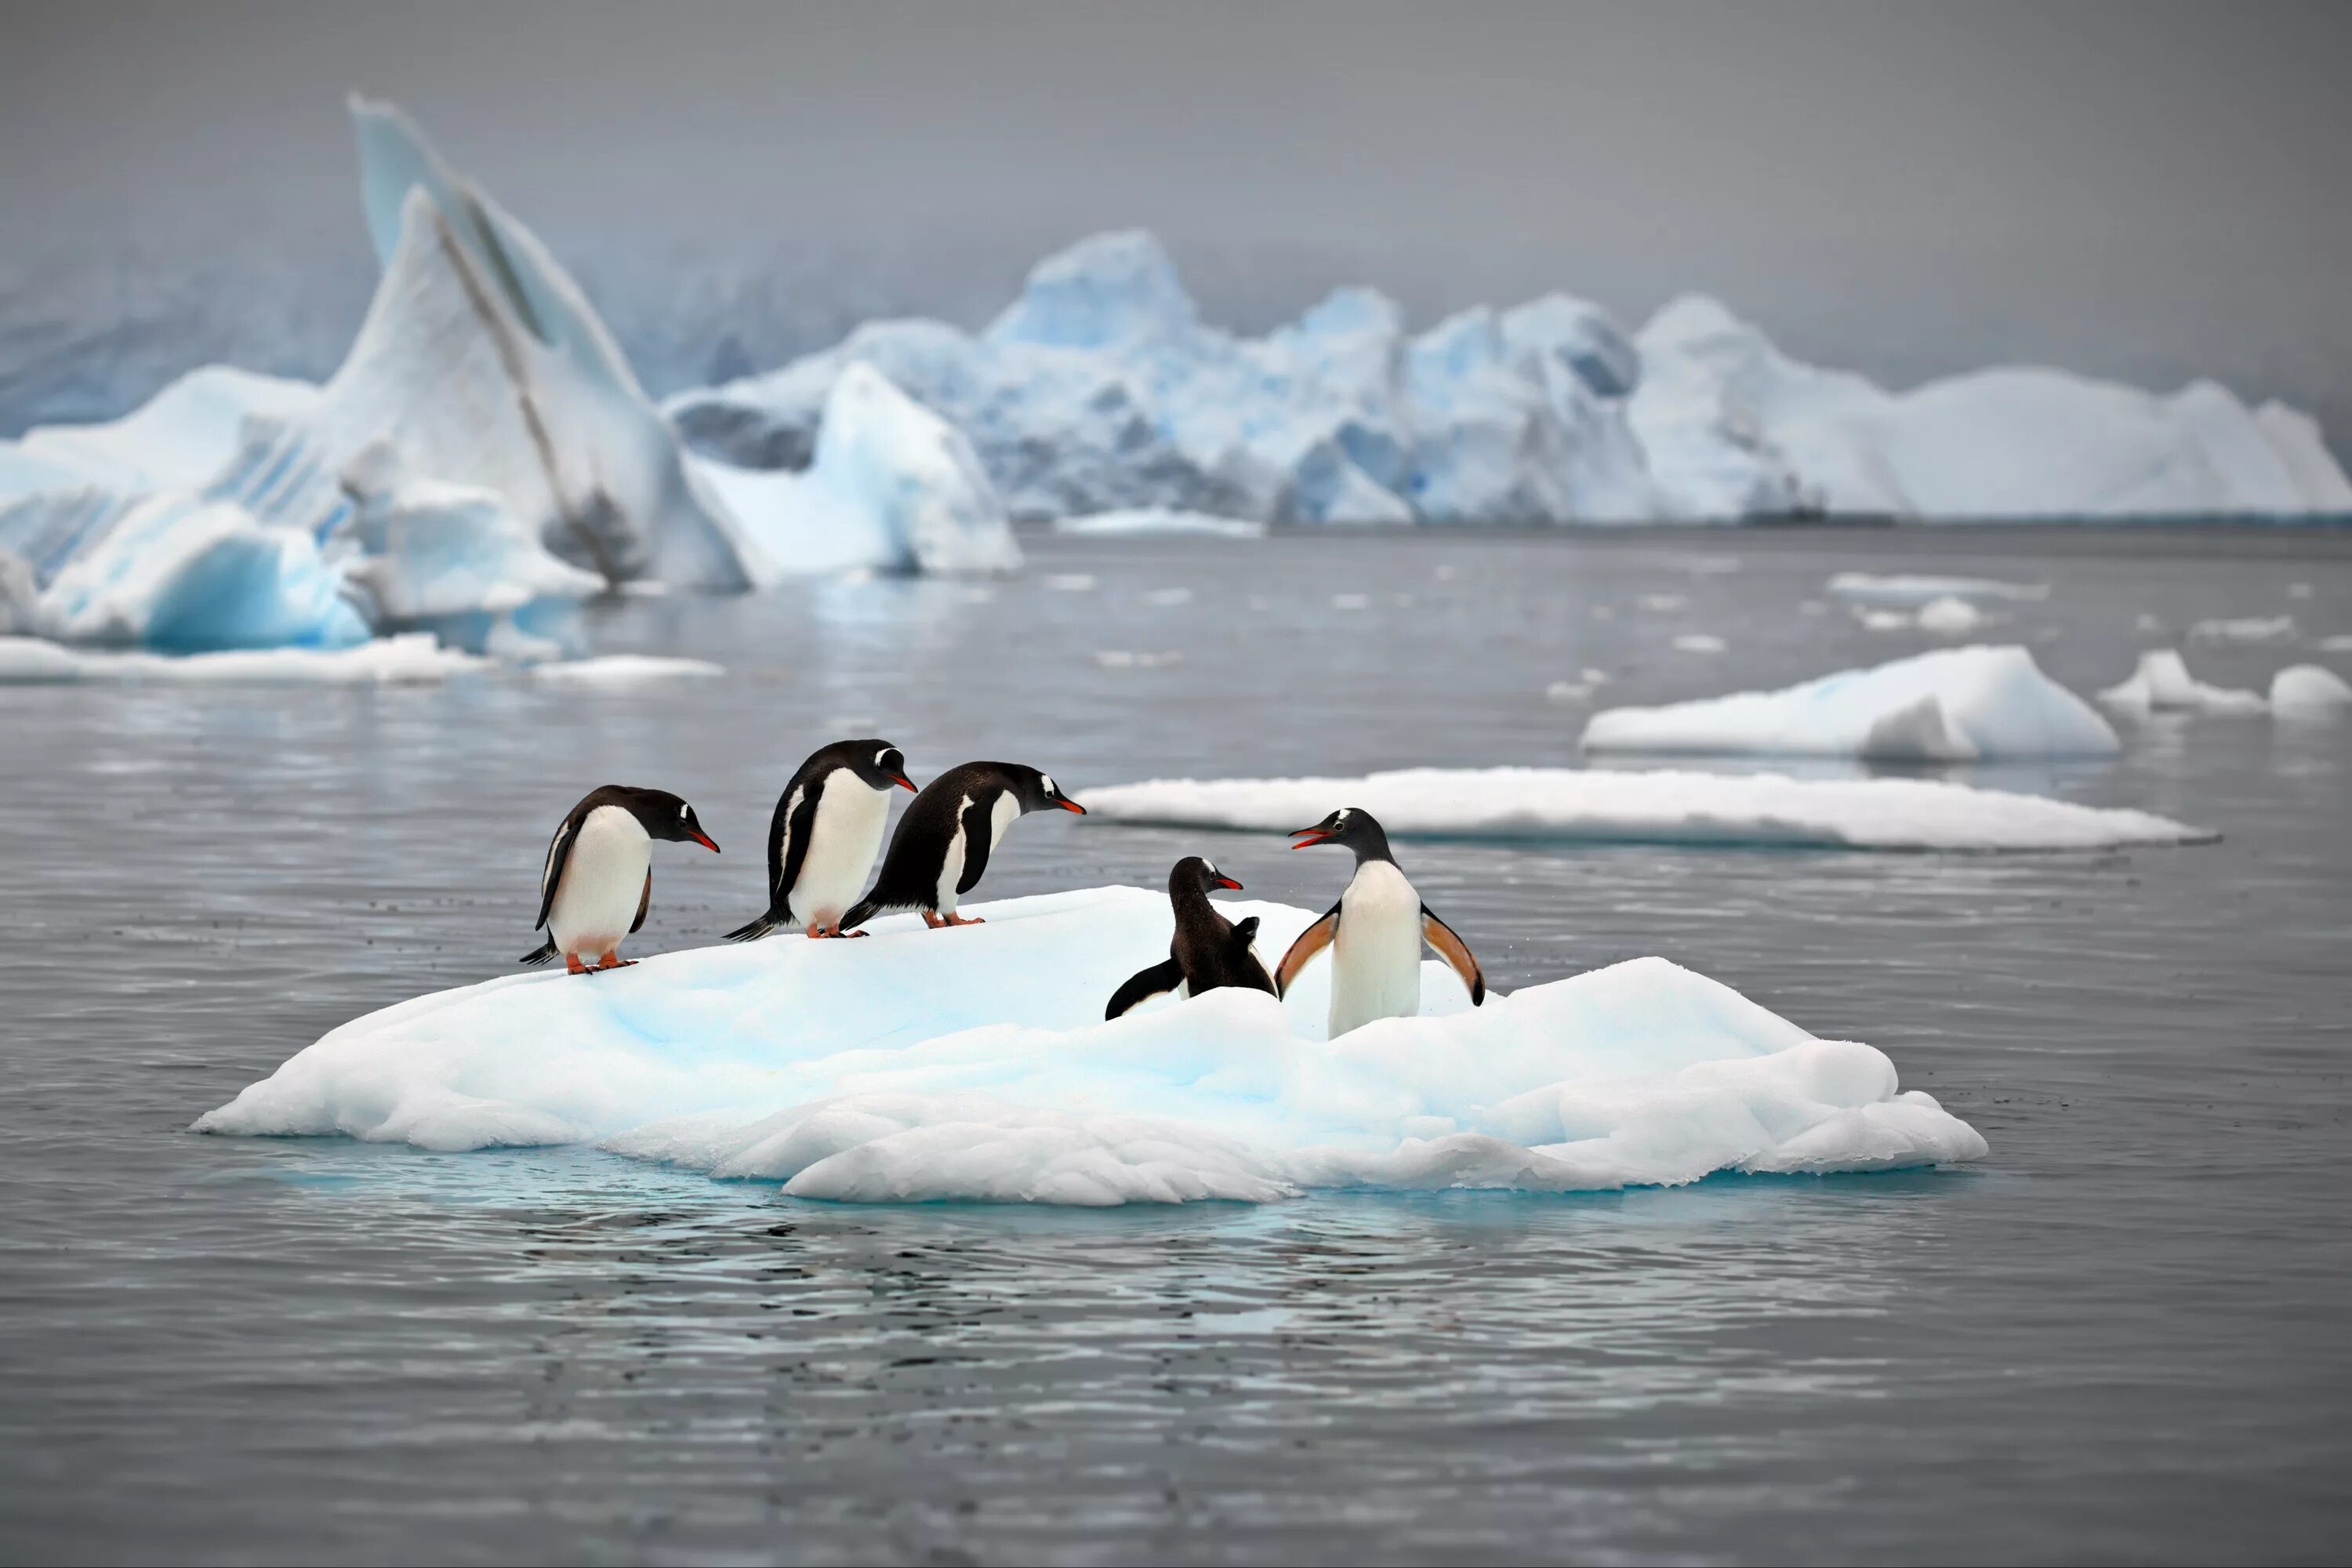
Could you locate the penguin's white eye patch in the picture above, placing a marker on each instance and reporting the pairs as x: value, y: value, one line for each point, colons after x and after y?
x: 683, y: 812
x: 1340, y: 820
x: 1048, y: 779
x: 882, y: 758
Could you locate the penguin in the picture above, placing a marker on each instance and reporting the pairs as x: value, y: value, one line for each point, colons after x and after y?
x: 1207, y: 951
x: 940, y: 846
x: 824, y: 835
x: 1374, y: 931
x: 598, y: 880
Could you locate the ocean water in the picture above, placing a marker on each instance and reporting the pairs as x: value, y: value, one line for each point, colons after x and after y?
x: 2122, y: 1336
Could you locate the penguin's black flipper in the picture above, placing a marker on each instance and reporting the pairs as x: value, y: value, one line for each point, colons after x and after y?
x: 551, y: 876
x: 1311, y: 941
x: 1244, y: 961
x: 1455, y: 951
x: 975, y: 843
x: 645, y: 902
x: 1144, y: 985
x: 539, y: 954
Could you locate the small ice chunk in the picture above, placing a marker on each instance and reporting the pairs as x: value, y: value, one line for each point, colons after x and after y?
x: 1698, y: 642
x: 1071, y: 583
x: 1664, y: 604
x: 2162, y: 684
x: 2339, y: 643
x: 1165, y: 596
x: 1950, y: 615
x: 1909, y: 592
x: 1141, y: 521
x: 2305, y: 689
x: 626, y: 670
x: 1351, y: 600
x: 2250, y: 629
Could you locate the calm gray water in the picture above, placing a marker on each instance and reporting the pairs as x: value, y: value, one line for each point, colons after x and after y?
x: 2121, y: 1337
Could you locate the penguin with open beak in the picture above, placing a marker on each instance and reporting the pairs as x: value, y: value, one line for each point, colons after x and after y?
x: 1375, y: 932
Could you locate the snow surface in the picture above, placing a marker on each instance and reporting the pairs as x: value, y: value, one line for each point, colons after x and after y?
x: 2304, y: 690
x: 1967, y: 704
x: 1159, y: 520
x: 1573, y: 806
x: 974, y: 1064
x: 2162, y: 683
x: 1908, y: 592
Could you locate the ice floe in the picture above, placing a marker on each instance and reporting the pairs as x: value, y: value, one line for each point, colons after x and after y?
x: 1911, y: 592
x: 626, y: 670
x: 974, y: 1064
x: 2304, y: 690
x: 1968, y: 704
x: 1604, y: 807
x: 2256, y: 630
x: 1157, y: 520
x: 414, y: 658
x: 2162, y: 684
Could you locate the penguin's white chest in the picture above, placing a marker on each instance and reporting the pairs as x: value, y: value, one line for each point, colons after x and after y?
x: 843, y: 840
x: 1376, y: 956
x: 603, y: 883
x: 1000, y: 818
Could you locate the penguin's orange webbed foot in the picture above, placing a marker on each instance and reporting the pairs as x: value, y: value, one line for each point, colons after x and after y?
x: 935, y: 922
x: 572, y: 964
x: 614, y: 960
x: 966, y: 921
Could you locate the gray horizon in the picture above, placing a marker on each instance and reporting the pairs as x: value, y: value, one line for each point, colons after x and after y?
x: 2147, y: 192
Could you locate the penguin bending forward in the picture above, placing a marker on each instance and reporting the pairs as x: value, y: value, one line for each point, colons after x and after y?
x: 941, y: 844
x: 1374, y: 931
x: 825, y: 833
x: 598, y: 880
x: 1208, y: 951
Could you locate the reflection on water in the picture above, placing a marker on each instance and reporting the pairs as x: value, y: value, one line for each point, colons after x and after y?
x: 2117, y: 1338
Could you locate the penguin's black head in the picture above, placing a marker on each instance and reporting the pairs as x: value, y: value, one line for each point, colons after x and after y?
x: 1351, y: 827
x: 666, y: 815
x: 878, y: 765
x: 1038, y: 792
x: 1194, y: 872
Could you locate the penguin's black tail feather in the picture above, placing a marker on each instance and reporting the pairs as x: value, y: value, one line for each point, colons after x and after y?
x: 541, y: 954
x: 756, y: 929
x: 864, y: 910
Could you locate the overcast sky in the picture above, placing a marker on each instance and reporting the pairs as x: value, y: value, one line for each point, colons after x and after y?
x: 2150, y: 190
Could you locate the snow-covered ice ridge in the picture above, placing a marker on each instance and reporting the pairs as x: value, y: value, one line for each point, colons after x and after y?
x: 483, y: 459
x: 1101, y: 389
x: 1955, y: 705
x: 974, y: 1064
x: 1577, y: 806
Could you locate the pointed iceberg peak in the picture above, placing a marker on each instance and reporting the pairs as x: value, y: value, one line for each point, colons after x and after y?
x: 1345, y: 312
x: 396, y: 157
x: 1688, y: 317
x: 1104, y: 291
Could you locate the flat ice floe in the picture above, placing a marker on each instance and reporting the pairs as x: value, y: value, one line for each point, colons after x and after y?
x: 1905, y: 592
x: 1967, y: 704
x: 974, y: 1064
x: 414, y: 658
x: 1576, y: 807
x: 1158, y: 521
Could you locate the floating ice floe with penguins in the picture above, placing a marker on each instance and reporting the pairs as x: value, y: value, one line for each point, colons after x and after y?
x: 975, y: 1065
x: 483, y: 461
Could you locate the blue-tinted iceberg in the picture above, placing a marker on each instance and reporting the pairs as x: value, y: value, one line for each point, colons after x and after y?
x: 974, y: 1064
x: 1957, y: 705
x: 1101, y: 390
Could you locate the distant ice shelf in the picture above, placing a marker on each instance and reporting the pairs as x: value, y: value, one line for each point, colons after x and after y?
x: 1604, y: 806
x: 974, y: 1064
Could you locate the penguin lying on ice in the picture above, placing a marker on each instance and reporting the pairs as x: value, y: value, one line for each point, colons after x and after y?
x: 1374, y: 931
x: 825, y: 833
x: 598, y: 880
x: 942, y: 842
x: 1208, y: 951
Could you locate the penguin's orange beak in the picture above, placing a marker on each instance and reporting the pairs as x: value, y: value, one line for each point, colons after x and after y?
x: 1229, y: 882
x: 1307, y: 836
x: 704, y: 839
x: 1067, y: 805
x: 903, y: 782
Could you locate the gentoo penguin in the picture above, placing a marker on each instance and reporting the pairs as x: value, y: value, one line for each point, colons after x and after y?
x: 598, y: 880
x: 1374, y: 931
x: 941, y: 844
x: 825, y: 833
x: 1207, y: 951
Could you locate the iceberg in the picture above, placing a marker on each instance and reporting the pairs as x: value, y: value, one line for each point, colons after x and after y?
x: 2304, y: 690
x: 1568, y: 806
x: 2162, y: 684
x: 1733, y: 428
x: 1101, y: 390
x: 1956, y: 705
x: 482, y: 462
x: 974, y: 1064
